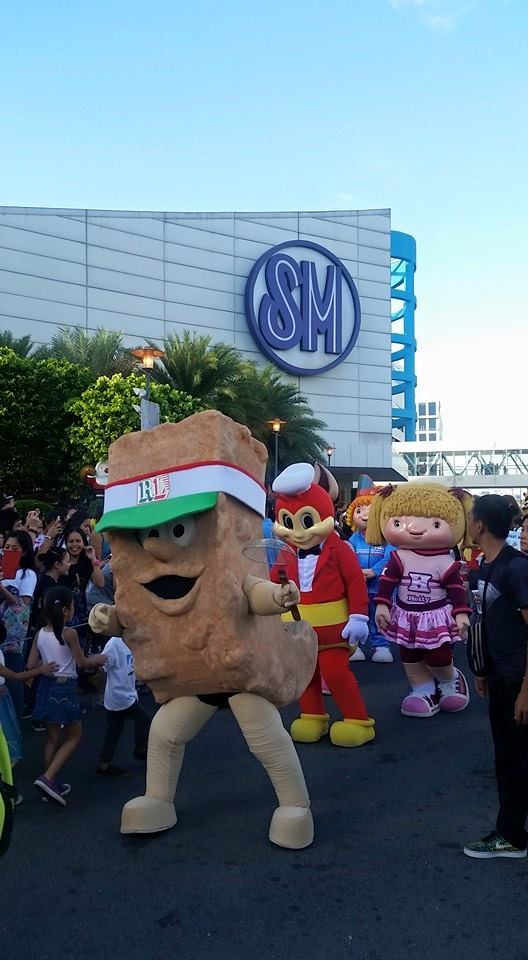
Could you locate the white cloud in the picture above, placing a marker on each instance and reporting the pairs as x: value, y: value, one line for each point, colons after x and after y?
x: 439, y: 15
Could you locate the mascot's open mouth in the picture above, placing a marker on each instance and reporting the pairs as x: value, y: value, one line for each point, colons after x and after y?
x: 171, y: 587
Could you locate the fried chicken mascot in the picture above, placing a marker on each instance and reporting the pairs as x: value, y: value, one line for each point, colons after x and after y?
x: 182, y: 502
x: 423, y: 521
x: 334, y: 601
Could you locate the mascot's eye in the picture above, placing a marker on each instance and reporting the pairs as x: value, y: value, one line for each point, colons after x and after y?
x: 397, y: 524
x: 307, y: 521
x: 436, y: 524
x: 288, y: 522
x: 180, y: 532
x: 183, y: 531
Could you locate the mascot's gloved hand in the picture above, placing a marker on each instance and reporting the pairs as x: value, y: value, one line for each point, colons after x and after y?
x: 462, y: 622
x: 356, y: 630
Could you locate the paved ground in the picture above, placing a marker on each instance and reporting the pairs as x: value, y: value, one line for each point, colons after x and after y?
x: 385, y: 877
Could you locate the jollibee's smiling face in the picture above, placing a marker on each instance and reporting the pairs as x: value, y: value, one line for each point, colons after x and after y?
x: 418, y: 533
x: 304, y: 528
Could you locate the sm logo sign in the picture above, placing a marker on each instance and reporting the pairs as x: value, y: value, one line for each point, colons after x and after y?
x: 302, y: 307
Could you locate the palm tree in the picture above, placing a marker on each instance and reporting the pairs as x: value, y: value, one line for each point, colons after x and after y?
x: 102, y: 352
x: 262, y: 396
x: 209, y: 372
x: 22, y: 346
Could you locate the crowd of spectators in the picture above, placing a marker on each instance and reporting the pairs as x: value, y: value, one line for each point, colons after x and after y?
x: 53, y: 569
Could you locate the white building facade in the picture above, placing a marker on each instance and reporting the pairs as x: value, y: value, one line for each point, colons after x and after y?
x: 307, y: 291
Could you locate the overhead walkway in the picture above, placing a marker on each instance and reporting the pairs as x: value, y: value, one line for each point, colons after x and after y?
x: 505, y: 468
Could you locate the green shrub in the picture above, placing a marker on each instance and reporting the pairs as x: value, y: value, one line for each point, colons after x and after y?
x: 26, y: 504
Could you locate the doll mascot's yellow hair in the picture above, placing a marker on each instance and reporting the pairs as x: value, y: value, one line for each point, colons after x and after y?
x: 423, y: 522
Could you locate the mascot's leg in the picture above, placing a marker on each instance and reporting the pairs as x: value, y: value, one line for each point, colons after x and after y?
x: 260, y: 722
x: 313, y: 722
x: 175, y: 723
x: 357, y: 727
x: 422, y: 701
x: 452, y: 684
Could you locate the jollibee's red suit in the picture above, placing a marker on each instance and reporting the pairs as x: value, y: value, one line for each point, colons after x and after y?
x: 334, y: 600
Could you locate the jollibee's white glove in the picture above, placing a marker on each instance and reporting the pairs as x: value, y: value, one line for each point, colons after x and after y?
x: 356, y: 629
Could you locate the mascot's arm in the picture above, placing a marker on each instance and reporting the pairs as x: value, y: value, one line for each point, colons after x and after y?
x: 103, y: 619
x: 388, y: 582
x: 379, y: 567
x: 356, y: 629
x: 457, y: 596
x: 455, y: 589
x: 266, y: 598
x: 353, y: 579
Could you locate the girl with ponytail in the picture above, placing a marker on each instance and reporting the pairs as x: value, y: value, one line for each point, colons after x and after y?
x: 57, y: 704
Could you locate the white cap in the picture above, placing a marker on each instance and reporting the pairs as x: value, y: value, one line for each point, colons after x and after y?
x: 297, y: 478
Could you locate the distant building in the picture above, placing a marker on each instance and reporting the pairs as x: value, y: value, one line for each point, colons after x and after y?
x: 429, y: 421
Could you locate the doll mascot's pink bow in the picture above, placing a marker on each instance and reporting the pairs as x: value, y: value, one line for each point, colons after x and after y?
x: 424, y: 522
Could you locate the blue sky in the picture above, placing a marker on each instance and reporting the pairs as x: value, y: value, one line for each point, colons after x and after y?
x: 417, y: 105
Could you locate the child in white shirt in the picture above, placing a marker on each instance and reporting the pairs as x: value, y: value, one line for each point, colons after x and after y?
x: 121, y: 702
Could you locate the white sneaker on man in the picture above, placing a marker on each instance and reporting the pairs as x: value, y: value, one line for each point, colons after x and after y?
x: 382, y: 655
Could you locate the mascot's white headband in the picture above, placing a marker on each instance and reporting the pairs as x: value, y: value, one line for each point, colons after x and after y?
x: 154, y: 498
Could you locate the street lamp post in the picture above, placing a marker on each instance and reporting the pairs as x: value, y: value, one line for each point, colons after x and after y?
x: 329, y: 452
x: 276, y: 425
x: 149, y: 411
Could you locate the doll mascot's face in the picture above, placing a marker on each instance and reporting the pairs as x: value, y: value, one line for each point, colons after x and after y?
x: 419, y: 516
x: 360, y: 516
x: 418, y: 533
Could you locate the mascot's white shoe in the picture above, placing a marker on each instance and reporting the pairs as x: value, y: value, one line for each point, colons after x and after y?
x: 147, y: 815
x: 357, y: 656
x: 292, y: 827
x: 382, y: 655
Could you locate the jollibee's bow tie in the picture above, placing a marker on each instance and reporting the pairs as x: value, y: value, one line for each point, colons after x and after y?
x: 307, y: 553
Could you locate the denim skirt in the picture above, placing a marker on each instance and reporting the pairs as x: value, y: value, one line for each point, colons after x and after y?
x: 9, y: 724
x: 57, y: 701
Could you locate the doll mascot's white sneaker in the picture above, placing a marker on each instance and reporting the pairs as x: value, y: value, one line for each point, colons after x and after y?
x: 421, y: 600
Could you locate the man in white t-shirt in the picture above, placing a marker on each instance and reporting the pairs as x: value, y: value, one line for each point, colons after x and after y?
x: 121, y: 702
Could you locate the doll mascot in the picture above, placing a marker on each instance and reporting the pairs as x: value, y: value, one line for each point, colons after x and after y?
x: 333, y: 600
x: 423, y: 521
x: 372, y: 560
x: 183, y: 503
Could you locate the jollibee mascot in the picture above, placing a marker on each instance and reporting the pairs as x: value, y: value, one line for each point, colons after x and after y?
x: 183, y: 502
x: 423, y: 521
x: 333, y: 600
x: 372, y: 560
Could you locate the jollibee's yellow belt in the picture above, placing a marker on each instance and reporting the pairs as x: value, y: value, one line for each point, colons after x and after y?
x: 322, y: 614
